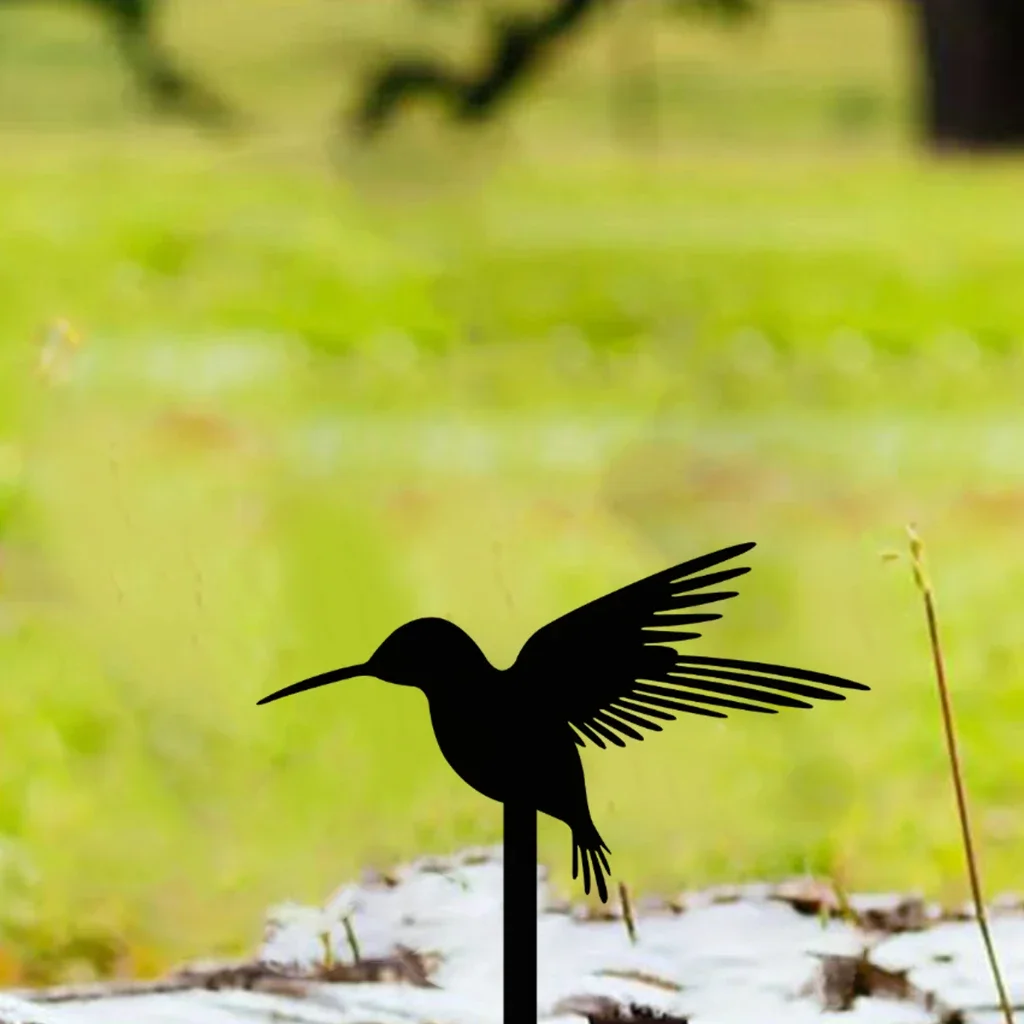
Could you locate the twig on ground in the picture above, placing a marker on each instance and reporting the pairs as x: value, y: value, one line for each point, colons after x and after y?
x: 353, y: 942
x: 404, y: 966
x: 627, y: 912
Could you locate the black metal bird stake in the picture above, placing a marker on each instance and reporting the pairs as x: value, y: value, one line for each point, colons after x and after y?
x: 599, y: 673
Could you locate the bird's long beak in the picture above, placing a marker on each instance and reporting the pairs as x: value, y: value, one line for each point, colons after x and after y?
x: 321, y: 680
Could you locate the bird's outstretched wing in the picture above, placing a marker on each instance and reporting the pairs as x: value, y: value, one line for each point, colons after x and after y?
x: 604, y: 667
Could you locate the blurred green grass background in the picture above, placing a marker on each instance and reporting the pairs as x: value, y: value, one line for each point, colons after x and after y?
x: 488, y: 378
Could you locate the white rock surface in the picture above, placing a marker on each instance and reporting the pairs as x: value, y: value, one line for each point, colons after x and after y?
x: 747, y: 961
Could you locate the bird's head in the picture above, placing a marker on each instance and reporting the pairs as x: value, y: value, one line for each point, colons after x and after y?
x: 424, y: 653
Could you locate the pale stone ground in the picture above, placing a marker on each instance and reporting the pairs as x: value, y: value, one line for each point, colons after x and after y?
x: 740, y: 957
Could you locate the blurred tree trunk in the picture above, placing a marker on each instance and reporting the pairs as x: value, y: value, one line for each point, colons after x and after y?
x: 972, y: 72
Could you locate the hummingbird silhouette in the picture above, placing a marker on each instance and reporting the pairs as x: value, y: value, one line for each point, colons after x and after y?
x: 599, y: 673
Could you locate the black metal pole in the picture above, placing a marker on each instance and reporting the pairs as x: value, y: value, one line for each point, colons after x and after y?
x: 520, y: 913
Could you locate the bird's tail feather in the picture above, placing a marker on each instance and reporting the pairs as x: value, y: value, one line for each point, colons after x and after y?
x: 593, y: 847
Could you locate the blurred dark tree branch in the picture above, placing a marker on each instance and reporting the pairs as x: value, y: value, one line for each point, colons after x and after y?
x: 166, y: 85
x: 726, y: 8
x: 134, y: 26
x: 517, y: 46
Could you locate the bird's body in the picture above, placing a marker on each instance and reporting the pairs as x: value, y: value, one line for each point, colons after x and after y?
x: 532, y: 759
x: 503, y: 748
x: 592, y: 675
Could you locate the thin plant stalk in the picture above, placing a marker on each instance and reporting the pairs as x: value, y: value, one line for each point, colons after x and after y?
x: 924, y: 585
x: 353, y: 942
x: 627, y: 912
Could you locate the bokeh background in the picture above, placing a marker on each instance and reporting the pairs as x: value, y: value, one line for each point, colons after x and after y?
x: 267, y: 390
